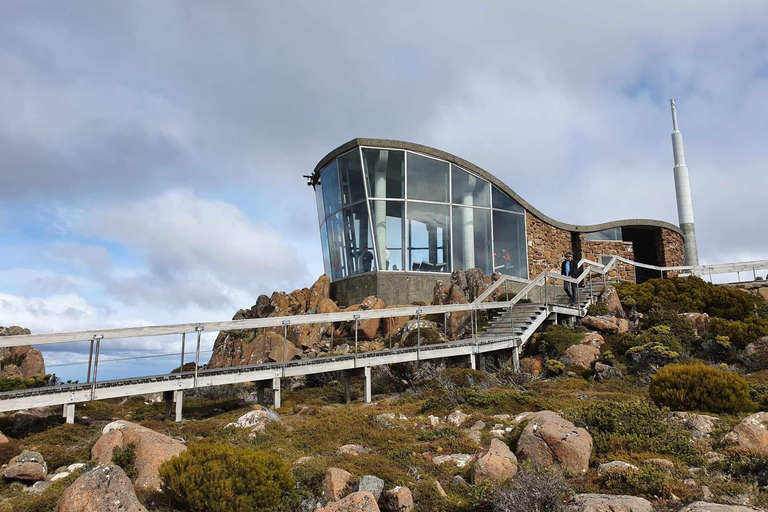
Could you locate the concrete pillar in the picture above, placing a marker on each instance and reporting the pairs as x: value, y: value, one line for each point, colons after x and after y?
x: 468, y: 226
x: 473, y: 361
x: 64, y: 411
x: 168, y: 397
x: 516, y: 357
x: 276, y: 389
x: 367, y: 373
x: 69, y: 413
x: 179, y: 405
x: 380, y: 208
x: 348, y: 388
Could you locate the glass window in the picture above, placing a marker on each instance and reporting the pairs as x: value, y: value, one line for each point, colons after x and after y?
x: 503, y: 202
x: 329, y: 179
x: 358, y: 242
x: 427, y: 179
x: 336, y: 255
x: 428, y: 237
x: 324, y: 245
x: 509, y: 244
x: 606, y: 234
x: 388, y: 229
x: 385, y: 170
x: 468, y: 189
x: 472, y: 239
x: 351, y: 178
x: 319, y: 201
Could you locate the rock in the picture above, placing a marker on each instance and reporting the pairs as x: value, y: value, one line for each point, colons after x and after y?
x: 477, y: 426
x: 279, y: 347
x: 355, y: 502
x: 319, y: 291
x: 581, y: 356
x: 616, y: 464
x: 28, y: 466
x: 501, y: 417
x: 665, y: 463
x: 751, y: 434
x: 459, y: 480
x: 398, y: 499
x: 3, y: 439
x: 352, y: 449
x: 605, y: 372
x: 756, y: 346
x: 700, y: 425
x: 27, y: 361
x: 699, y: 321
x: 39, y: 487
x: 440, y: 293
x: 11, y: 371
x: 600, y: 323
x: 459, y: 459
x: 335, y: 483
x: 152, y: 449
x: 342, y: 349
x: 33, y: 364
x: 623, y: 324
x: 533, y: 365
x: 371, y: 484
x: 594, y: 339
x: 456, y: 418
x: 440, y: 490
x: 549, y: 439
x: 434, y: 421
x: 257, y: 419
x: 608, y: 503
x: 385, y: 420
x: 496, y: 464
x: 703, y: 506
x: 302, y: 460
x: 611, y: 299
x: 368, y: 329
x: 394, y: 324
x: 106, y: 488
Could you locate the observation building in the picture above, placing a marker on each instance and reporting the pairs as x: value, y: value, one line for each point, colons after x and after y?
x: 396, y: 217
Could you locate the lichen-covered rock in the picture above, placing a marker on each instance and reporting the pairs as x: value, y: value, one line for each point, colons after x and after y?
x: 352, y: 449
x: 605, y: 372
x: 257, y: 419
x: 611, y: 299
x: 549, y: 440
x: 20, y: 362
x: 581, y: 356
x: 459, y: 459
x: 699, y: 321
x: 371, y: 484
x: 335, y: 483
x: 106, y: 488
x: 593, y: 338
x: 319, y: 291
x: 703, y: 506
x: 608, y: 503
x: 533, y: 365
x: 355, y: 502
x: 601, y: 323
x: 398, y: 499
x: 496, y: 464
x: 700, y: 425
x: 28, y: 466
x: 751, y: 435
x: 456, y: 418
x: 152, y: 449
x: 616, y: 464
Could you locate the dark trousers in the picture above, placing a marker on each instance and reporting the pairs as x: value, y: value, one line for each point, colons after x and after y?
x: 570, y: 290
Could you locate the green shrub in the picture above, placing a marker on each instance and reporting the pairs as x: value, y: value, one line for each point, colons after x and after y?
x: 700, y: 388
x: 598, y: 309
x: 647, y: 480
x: 740, y: 333
x: 429, y: 336
x: 126, y: 458
x: 680, y: 328
x: 225, y: 478
x: 657, y: 335
x: 635, y: 427
x: 466, y: 377
x: 554, y: 367
x: 11, y: 384
x: 690, y: 294
x: 556, y: 340
x: 715, y: 348
x: 651, y: 356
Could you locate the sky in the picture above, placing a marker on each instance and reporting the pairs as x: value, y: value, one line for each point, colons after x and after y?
x: 152, y: 153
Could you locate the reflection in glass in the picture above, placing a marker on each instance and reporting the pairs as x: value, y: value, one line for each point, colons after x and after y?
x: 427, y: 179
x: 329, y: 179
x: 509, y: 244
x: 613, y: 234
x: 503, y: 202
x: 428, y: 237
x: 388, y: 227
x: 326, y: 254
x: 359, y: 242
x: 336, y: 255
x: 351, y: 178
x: 472, y: 239
x: 319, y: 201
x: 385, y: 170
x: 468, y: 189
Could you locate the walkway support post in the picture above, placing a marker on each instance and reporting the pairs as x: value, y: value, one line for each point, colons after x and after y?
x: 418, y: 334
x: 199, y: 330
x: 179, y: 402
x: 348, y: 388
x: 367, y: 375
x: 285, y: 343
x: 276, y: 389
x: 183, y: 348
x: 516, y: 356
x: 98, y: 338
x: 90, y: 359
x: 357, y: 319
x: 69, y: 413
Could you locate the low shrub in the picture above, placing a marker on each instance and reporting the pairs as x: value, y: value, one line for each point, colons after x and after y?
x: 11, y: 384
x: 225, y: 478
x: 553, y: 367
x: 126, y: 458
x: 556, y: 340
x: 635, y: 427
x: 598, y: 309
x: 715, y: 348
x: 657, y: 335
x: 533, y: 490
x: 651, y: 356
x: 740, y: 332
x: 428, y: 336
x: 679, y: 327
x: 647, y: 480
x: 700, y: 388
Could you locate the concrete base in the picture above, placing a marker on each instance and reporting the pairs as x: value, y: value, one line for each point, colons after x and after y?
x: 179, y: 404
x: 392, y: 287
x: 276, y: 390
x: 69, y: 413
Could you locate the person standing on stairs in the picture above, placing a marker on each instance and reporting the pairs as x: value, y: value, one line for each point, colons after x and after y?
x: 569, y: 269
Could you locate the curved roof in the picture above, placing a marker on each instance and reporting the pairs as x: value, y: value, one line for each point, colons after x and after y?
x: 419, y: 148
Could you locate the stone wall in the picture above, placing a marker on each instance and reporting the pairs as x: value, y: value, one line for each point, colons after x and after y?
x: 594, y: 249
x: 547, y: 245
x: 670, y: 248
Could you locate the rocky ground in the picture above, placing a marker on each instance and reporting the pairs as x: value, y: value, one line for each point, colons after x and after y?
x: 576, y: 431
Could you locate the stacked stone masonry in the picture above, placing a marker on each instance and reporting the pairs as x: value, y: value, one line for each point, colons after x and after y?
x: 669, y: 247
x: 594, y: 250
x: 547, y: 245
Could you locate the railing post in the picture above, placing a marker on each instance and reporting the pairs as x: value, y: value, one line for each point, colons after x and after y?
x: 445, y: 324
x: 285, y: 343
x: 474, y: 324
x: 418, y: 334
x: 183, y: 347
x: 98, y: 339
x: 199, y: 330
x: 591, y: 289
x: 546, y: 295
x: 506, y: 291
x: 90, y: 359
x: 357, y: 318
x: 754, y: 273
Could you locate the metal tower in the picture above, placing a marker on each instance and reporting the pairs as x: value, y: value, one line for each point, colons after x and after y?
x: 683, y: 192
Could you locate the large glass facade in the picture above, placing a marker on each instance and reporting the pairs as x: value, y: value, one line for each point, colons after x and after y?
x: 394, y: 210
